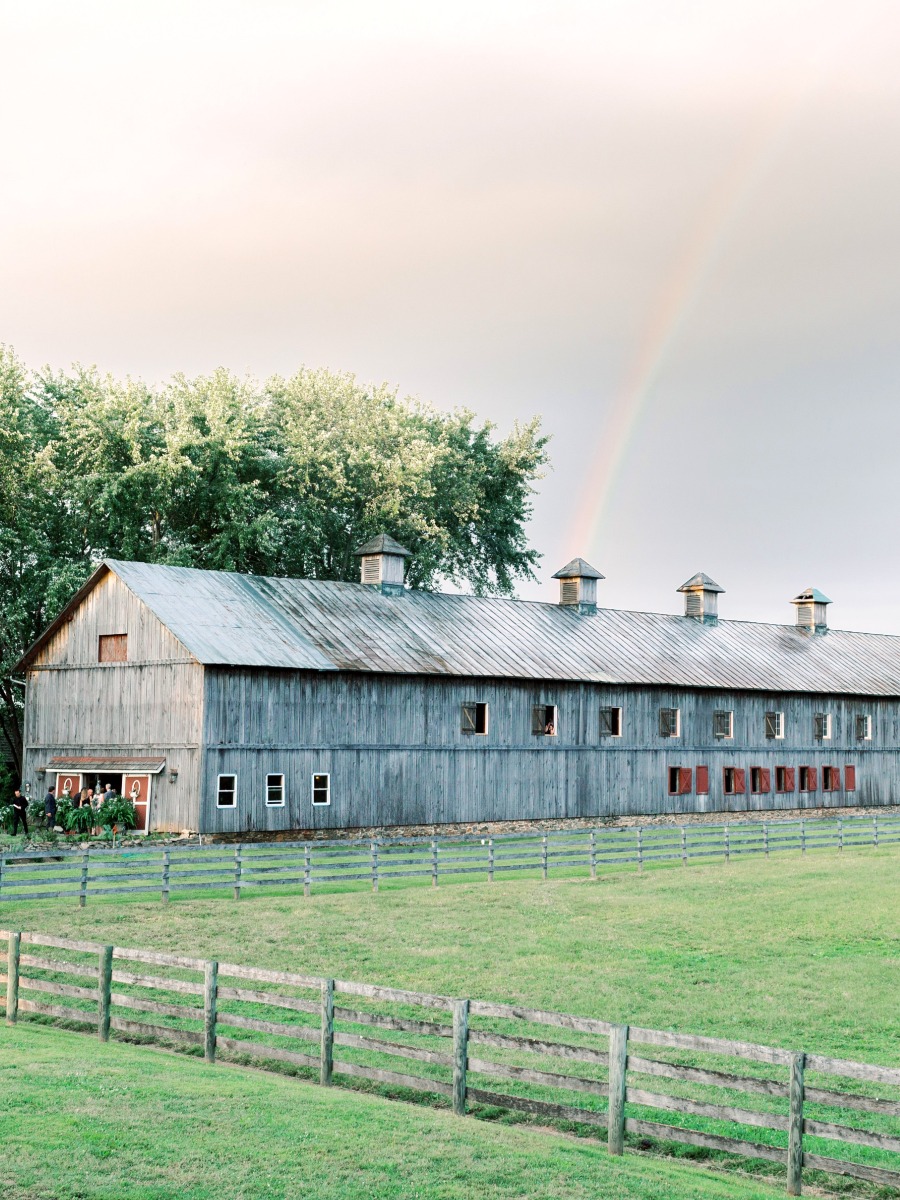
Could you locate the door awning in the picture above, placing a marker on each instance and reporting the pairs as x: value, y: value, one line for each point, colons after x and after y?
x: 126, y: 765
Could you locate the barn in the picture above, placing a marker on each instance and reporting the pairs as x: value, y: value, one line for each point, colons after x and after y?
x: 230, y: 703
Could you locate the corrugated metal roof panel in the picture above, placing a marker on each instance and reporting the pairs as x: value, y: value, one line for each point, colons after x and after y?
x: 244, y: 620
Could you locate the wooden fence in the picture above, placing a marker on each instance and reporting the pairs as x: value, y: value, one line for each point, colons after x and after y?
x: 77, y: 874
x: 792, y: 1108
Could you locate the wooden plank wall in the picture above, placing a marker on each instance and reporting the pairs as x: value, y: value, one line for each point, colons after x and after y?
x: 396, y: 753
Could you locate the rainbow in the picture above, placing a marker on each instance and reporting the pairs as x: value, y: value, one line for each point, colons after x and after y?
x: 671, y: 309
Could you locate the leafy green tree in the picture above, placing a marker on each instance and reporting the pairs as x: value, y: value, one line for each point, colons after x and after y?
x: 281, y: 478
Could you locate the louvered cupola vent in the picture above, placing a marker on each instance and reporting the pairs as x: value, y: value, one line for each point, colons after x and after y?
x: 382, y: 564
x: 701, y: 596
x: 811, y: 607
x: 578, y: 586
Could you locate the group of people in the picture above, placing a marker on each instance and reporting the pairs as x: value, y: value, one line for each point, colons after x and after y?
x: 86, y: 797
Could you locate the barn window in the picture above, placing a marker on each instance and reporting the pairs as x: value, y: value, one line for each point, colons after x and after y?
x: 784, y: 779
x: 474, y: 717
x: 669, y: 722
x: 850, y: 779
x: 864, y: 728
x: 321, y: 789
x: 822, y: 726
x: 723, y: 723
x: 703, y: 781
x: 610, y: 722
x: 809, y: 781
x: 680, y: 781
x: 760, y: 779
x: 112, y: 647
x: 371, y: 568
x: 774, y: 724
x: 544, y: 720
x: 734, y: 781
x: 274, y: 791
x: 831, y: 779
x: 226, y: 791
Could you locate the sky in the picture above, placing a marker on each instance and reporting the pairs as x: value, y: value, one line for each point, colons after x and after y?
x: 670, y: 228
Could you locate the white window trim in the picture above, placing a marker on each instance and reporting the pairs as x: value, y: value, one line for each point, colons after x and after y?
x: 554, y: 722
x: 487, y: 717
x: 779, y: 725
x: 312, y: 789
x: 867, y: 736
x: 729, y: 736
x: 826, y: 735
x: 677, y: 733
x: 275, y: 803
x: 614, y: 708
x: 219, y: 778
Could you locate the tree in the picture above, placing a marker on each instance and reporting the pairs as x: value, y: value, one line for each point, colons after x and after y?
x: 281, y: 478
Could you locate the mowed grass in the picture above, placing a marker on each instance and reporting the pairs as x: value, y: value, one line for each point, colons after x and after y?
x: 83, y: 1121
x: 796, y: 951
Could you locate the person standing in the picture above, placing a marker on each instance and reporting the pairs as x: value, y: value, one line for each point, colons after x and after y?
x: 20, y: 812
x: 50, y: 808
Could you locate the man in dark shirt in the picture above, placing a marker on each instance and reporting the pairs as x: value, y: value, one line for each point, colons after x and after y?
x: 50, y: 808
x: 20, y: 812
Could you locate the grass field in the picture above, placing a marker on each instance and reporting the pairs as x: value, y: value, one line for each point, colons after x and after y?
x: 113, y: 1122
x: 802, y: 952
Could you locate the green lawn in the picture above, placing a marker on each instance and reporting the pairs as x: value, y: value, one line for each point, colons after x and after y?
x: 797, y: 951
x: 114, y: 1122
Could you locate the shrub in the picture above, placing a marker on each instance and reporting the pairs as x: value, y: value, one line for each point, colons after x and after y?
x: 117, y: 811
x: 81, y: 820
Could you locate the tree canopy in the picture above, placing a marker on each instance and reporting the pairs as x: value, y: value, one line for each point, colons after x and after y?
x: 284, y: 477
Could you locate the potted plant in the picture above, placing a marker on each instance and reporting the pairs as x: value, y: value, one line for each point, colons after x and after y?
x: 117, y: 813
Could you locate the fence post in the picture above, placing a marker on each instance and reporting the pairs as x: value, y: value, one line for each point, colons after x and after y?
x: 593, y: 854
x: 618, y: 1064
x: 82, y: 895
x: 460, y: 1054
x: 104, y: 988
x: 840, y: 836
x: 307, y: 878
x: 544, y: 856
x: 210, y: 992
x: 12, y: 978
x: 727, y: 843
x: 683, y: 846
x: 326, y: 1048
x: 165, y: 875
x: 640, y: 848
x: 238, y: 864
x: 434, y: 863
x: 2, y: 865
x: 875, y: 831
x: 766, y: 837
x: 374, y: 866
x: 802, y: 836
x: 490, y: 860
x: 795, y: 1127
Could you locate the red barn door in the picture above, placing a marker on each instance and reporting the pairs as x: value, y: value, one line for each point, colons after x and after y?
x: 136, y: 788
x: 67, y: 782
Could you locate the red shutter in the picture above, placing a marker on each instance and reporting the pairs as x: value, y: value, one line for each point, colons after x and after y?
x: 765, y: 779
x: 850, y: 779
x: 740, y: 781
x: 790, y: 778
x: 813, y: 779
x: 703, y: 780
x: 684, y: 781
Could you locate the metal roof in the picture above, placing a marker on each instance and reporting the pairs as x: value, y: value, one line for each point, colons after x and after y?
x: 811, y: 594
x: 700, y: 583
x: 578, y: 569
x: 126, y: 765
x: 382, y: 544
x: 242, y: 620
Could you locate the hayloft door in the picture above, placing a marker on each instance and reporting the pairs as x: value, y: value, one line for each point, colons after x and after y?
x: 68, y: 783
x: 137, y: 789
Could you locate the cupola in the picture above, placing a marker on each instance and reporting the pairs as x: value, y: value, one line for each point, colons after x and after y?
x: 701, y: 598
x: 382, y: 564
x: 811, y: 615
x: 578, y: 586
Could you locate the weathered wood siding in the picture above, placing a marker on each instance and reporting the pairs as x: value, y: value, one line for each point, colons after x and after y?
x: 396, y: 753
x: 149, y: 705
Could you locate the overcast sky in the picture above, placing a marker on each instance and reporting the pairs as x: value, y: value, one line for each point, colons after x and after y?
x: 670, y: 228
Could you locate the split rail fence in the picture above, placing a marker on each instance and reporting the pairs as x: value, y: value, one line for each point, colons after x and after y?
x: 54, y: 874
x: 803, y: 1111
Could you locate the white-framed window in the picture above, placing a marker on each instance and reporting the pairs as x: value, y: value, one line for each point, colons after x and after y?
x: 774, y: 724
x: 226, y: 791
x: 610, y: 722
x: 822, y: 727
x: 475, y: 717
x: 864, y: 727
x: 544, y: 720
x: 723, y: 723
x: 670, y: 722
x: 274, y: 791
x: 321, y: 788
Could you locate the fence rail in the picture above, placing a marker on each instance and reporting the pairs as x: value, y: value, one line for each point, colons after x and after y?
x: 799, y: 1110
x: 77, y: 874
